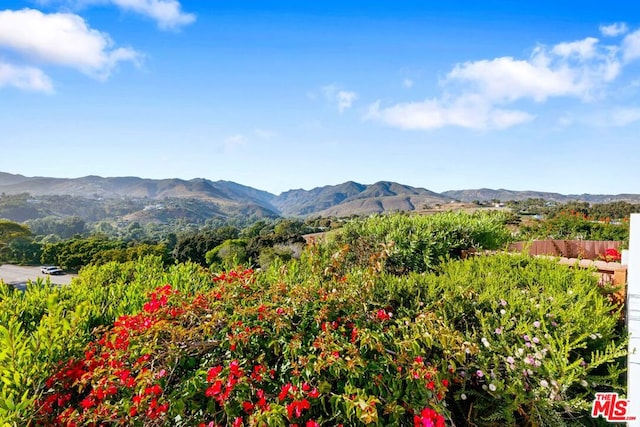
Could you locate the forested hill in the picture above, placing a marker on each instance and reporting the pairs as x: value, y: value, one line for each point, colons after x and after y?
x: 128, y: 199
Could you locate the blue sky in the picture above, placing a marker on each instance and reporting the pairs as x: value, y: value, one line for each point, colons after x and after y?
x: 294, y: 94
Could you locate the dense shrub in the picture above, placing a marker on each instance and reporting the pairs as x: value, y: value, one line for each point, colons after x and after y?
x: 544, y: 337
x: 47, y: 323
x: 420, y: 243
x: 254, y: 350
x: 334, y: 338
x: 498, y: 340
x: 574, y: 225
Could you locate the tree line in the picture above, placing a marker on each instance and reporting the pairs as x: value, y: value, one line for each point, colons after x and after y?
x: 255, y: 245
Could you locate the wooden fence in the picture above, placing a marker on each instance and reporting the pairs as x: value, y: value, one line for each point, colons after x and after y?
x: 585, y: 249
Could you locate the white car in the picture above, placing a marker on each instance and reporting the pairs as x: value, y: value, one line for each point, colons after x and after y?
x: 51, y: 270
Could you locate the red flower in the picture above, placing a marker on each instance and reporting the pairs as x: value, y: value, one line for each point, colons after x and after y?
x: 262, y: 402
x: 87, y: 402
x: 247, y: 406
x: 284, y: 391
x: 428, y: 418
x: 155, y: 389
x: 213, y: 373
x: 612, y: 254
x: 297, y: 406
x: 235, y: 368
x: 382, y: 315
x: 214, y: 389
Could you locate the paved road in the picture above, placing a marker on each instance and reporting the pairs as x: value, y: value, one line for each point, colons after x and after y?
x: 18, y: 276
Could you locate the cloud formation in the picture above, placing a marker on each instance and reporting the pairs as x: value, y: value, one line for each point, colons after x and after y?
x: 624, y: 116
x: 234, y: 141
x: 467, y: 112
x: 62, y: 39
x: 477, y: 94
x: 25, y: 78
x: 168, y: 14
x: 614, y: 29
x: 342, y: 99
x: 631, y: 46
x: 345, y: 99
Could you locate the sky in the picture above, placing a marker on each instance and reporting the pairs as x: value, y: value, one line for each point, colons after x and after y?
x: 282, y: 95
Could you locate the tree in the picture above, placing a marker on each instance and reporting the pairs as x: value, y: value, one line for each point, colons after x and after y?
x: 229, y: 254
x: 9, y: 231
x: 194, y: 247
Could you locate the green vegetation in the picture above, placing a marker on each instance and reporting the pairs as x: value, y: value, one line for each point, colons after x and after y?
x: 12, y: 236
x: 381, y: 325
x: 420, y: 243
x: 575, y: 225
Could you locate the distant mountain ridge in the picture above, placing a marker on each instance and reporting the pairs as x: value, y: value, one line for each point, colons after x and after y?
x: 487, y: 194
x: 226, y: 198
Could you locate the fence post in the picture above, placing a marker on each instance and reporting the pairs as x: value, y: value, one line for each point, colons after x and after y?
x: 633, y: 319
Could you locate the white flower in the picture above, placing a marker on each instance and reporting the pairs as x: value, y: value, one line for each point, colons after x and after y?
x: 485, y: 342
x: 463, y: 396
x: 503, y: 311
x: 492, y: 387
x: 544, y: 383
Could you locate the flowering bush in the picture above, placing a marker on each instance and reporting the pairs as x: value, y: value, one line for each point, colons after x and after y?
x: 612, y: 255
x: 246, y: 354
x: 487, y: 341
x: 545, y: 337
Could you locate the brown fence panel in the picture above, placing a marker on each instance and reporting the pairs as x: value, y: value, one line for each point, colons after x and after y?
x: 586, y: 249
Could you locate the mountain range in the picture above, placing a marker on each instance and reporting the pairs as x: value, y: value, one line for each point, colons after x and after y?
x: 226, y: 198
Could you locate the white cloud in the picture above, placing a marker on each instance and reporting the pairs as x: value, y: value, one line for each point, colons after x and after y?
x: 341, y: 98
x: 465, y: 112
x: 345, y: 99
x: 25, y: 78
x: 613, y: 30
x: 408, y: 83
x: 168, y: 14
x: 477, y: 94
x: 233, y: 142
x: 624, y: 116
x: 61, y: 39
x: 581, y: 49
x: 568, y: 69
x: 631, y: 46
